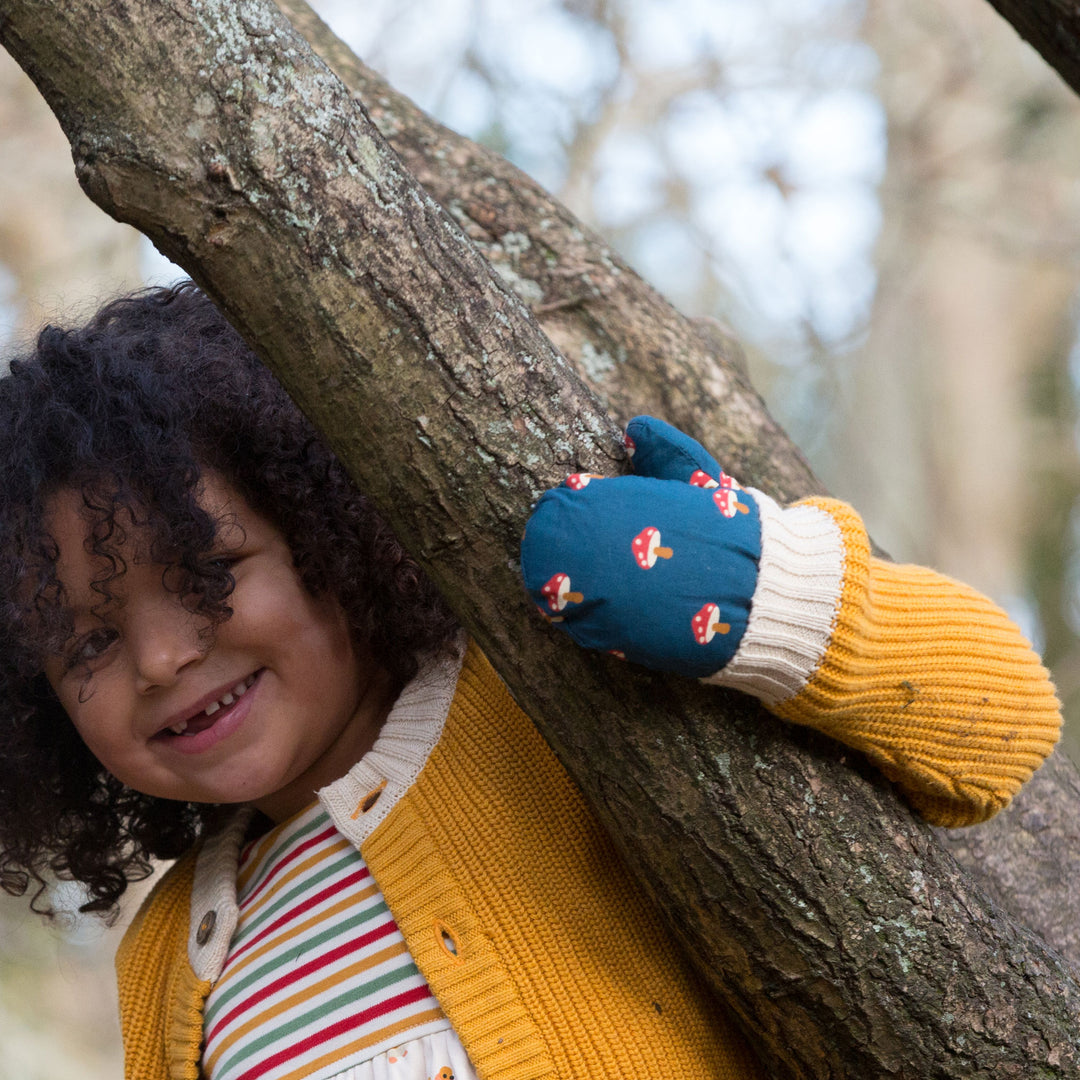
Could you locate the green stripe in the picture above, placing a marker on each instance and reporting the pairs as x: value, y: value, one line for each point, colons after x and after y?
x: 306, y: 883
x: 337, y: 928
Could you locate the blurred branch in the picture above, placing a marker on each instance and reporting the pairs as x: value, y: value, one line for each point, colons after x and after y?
x: 1052, y: 27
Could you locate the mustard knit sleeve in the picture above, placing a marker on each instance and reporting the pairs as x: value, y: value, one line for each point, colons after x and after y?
x: 921, y: 673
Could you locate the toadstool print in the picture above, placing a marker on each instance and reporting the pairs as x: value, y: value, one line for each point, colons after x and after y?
x: 579, y: 480
x: 647, y: 549
x: 630, y: 445
x: 703, y: 479
x: 727, y: 501
x: 706, y: 624
x: 558, y: 593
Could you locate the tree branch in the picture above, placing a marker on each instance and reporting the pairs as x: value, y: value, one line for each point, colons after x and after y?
x: 832, y: 923
x: 691, y: 372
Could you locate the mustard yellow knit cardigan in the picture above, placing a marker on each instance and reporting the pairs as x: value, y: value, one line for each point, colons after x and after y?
x: 561, y: 968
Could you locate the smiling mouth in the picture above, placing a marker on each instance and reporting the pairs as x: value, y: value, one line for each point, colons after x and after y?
x: 202, y: 720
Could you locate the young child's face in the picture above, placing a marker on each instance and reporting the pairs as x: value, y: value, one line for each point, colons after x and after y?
x: 272, y: 705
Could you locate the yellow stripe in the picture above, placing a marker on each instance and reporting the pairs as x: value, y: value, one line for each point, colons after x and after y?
x: 303, y: 995
x: 256, y: 859
x: 264, y: 843
x: 319, y: 855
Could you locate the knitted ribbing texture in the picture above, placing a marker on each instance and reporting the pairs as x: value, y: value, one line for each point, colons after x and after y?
x: 541, y: 949
x: 153, y: 954
x: 933, y: 682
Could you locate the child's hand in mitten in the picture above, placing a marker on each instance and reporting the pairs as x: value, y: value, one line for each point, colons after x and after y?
x: 679, y: 569
x: 659, y: 567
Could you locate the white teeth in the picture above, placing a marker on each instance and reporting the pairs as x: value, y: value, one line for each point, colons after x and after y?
x: 231, y: 696
x: 228, y: 698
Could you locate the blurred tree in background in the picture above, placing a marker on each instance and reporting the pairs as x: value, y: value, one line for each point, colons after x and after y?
x: 876, y: 196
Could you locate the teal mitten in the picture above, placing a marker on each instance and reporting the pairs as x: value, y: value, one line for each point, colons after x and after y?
x: 659, y: 567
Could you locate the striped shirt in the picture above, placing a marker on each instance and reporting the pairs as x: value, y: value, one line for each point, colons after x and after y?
x: 318, y: 978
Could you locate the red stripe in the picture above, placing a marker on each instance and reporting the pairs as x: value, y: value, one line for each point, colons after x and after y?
x: 294, y: 912
x: 301, y: 972
x: 309, y: 843
x: 342, y: 1026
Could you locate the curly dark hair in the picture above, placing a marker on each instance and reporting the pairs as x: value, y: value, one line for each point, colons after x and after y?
x: 130, y: 410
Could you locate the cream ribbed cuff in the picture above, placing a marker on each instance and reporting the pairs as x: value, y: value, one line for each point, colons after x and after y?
x: 792, y: 615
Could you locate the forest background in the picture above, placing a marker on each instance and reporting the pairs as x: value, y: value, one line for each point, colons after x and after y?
x: 878, y: 198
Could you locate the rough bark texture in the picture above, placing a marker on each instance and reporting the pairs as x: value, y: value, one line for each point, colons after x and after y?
x: 831, y: 922
x: 1052, y: 27
x: 1031, y: 849
x: 627, y: 343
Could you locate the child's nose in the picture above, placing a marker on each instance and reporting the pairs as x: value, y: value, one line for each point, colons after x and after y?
x: 164, y: 642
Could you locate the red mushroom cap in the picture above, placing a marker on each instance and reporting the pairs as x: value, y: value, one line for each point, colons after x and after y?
x: 579, y: 480
x: 552, y: 588
x: 703, y: 623
x: 703, y: 479
x: 557, y: 591
x: 629, y: 444
x: 644, y: 546
x: 726, y: 501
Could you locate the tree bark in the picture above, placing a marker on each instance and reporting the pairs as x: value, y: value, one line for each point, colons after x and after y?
x: 834, y: 925
x: 627, y: 343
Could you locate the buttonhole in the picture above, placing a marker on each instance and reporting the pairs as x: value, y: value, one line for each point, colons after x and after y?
x: 368, y: 801
x: 448, y: 940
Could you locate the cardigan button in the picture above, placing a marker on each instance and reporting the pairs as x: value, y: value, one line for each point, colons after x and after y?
x: 206, y: 928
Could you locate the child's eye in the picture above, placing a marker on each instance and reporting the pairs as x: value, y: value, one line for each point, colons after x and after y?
x: 223, y: 562
x: 89, y: 647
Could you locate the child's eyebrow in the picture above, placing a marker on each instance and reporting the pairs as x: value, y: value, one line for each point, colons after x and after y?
x: 96, y: 604
x: 98, y: 596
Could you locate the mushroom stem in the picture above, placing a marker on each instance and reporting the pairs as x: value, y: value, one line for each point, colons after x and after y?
x: 721, y: 627
x: 664, y: 553
x: 573, y: 597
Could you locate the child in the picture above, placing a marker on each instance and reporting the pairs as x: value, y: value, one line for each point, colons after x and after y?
x: 205, y: 625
